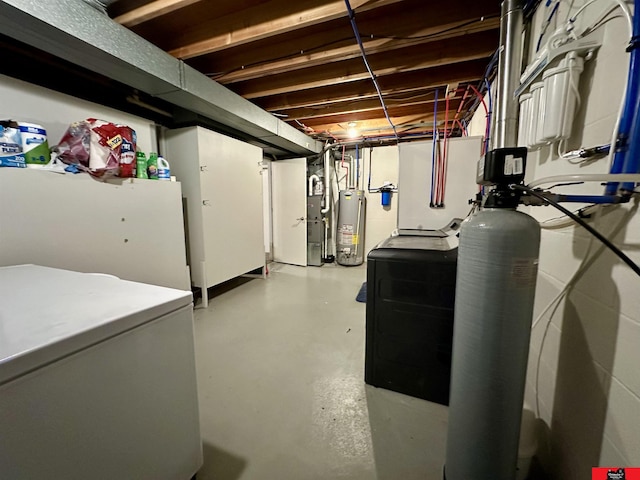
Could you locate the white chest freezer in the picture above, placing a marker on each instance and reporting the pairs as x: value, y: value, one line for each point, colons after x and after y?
x: 97, y: 378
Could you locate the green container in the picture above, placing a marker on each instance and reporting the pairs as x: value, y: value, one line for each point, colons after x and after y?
x: 141, y: 165
x: 152, y: 166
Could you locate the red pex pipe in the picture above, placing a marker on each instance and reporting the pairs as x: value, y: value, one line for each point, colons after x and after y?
x: 444, y: 151
x: 486, y: 111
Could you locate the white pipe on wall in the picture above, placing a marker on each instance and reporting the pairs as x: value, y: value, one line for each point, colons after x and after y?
x: 312, y: 180
x: 327, y: 183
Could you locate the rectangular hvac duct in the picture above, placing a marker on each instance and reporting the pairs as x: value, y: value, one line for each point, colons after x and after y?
x: 75, y: 31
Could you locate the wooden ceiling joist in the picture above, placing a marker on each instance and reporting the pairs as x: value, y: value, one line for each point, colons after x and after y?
x: 152, y: 10
x: 425, y: 98
x: 240, y: 33
x: 300, y: 61
x: 381, y: 126
x: 480, y: 45
x: 372, y: 47
x: 417, y: 109
x: 391, y: 85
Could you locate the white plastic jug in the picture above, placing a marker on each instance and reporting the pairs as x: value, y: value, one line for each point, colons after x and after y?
x: 164, y: 172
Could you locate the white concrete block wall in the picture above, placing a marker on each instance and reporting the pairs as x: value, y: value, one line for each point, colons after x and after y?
x: 584, y: 361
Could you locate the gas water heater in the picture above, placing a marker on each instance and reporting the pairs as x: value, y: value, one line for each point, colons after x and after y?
x: 350, y: 227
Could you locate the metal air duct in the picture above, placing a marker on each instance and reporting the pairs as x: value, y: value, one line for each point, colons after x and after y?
x: 77, y: 32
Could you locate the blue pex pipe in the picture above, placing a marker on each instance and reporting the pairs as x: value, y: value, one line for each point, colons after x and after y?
x: 631, y: 160
x: 625, y: 158
x: 599, y: 199
x: 433, y: 150
x: 487, y: 135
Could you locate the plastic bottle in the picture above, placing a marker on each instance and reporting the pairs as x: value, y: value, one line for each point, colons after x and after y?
x: 152, y: 166
x: 141, y: 165
x: 164, y: 172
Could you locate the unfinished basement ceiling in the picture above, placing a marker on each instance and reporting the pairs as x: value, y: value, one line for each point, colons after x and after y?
x: 300, y: 60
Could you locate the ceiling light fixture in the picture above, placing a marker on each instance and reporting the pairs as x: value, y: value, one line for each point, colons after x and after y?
x: 352, y: 131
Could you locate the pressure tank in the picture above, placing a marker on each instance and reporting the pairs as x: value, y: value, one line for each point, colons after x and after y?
x: 350, y: 226
x: 496, y: 278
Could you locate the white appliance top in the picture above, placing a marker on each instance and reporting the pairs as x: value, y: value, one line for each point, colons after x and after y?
x: 47, y: 313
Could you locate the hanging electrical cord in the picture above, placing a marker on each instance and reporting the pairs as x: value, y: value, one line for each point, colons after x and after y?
x: 583, y: 224
x: 586, y: 263
x: 352, y: 18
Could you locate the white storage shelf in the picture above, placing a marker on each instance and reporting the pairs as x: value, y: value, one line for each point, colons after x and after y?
x: 222, y: 184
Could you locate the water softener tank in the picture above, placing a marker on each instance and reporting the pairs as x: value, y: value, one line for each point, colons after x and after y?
x: 350, y: 239
x: 496, y: 279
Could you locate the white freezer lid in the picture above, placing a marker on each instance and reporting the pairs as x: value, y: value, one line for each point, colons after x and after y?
x: 48, y: 313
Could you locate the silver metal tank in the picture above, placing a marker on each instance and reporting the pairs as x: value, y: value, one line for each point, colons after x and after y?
x: 496, y: 279
x: 350, y: 227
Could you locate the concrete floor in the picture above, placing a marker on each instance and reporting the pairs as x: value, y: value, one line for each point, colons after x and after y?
x: 280, y: 370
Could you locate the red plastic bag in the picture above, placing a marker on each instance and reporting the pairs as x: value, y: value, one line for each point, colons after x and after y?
x: 95, y: 146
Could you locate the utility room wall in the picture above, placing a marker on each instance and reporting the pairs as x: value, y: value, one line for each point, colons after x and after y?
x: 380, y: 221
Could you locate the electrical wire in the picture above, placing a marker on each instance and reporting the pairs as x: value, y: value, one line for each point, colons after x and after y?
x: 586, y: 263
x: 352, y: 18
x: 583, y: 224
x: 564, y: 221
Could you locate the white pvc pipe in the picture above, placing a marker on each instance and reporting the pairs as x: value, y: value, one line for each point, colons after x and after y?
x: 563, y: 222
x: 312, y: 179
x: 587, y: 177
x: 327, y: 184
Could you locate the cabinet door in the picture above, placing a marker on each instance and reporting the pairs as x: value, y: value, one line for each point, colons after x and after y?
x: 231, y: 190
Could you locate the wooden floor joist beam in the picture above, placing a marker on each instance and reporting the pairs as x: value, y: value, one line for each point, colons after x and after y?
x: 152, y: 10
x: 240, y: 33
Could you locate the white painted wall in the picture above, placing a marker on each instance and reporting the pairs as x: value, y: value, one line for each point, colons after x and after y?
x: 414, y: 211
x: 380, y: 221
x: 22, y: 101
x: 584, y: 362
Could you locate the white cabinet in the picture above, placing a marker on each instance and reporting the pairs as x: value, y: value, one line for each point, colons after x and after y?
x: 222, y: 185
